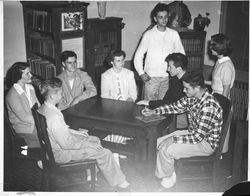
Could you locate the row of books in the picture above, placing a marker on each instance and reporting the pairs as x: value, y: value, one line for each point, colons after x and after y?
x: 40, y: 20
x: 193, y: 45
x: 195, y: 62
x: 105, y: 37
x: 41, y: 45
x: 42, y: 67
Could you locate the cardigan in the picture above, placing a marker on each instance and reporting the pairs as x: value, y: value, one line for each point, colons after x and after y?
x: 158, y: 45
x: 19, y: 110
x: 128, y: 85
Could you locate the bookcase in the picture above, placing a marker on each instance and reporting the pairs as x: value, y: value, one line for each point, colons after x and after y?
x: 50, y: 28
x: 103, y: 35
x: 194, y: 46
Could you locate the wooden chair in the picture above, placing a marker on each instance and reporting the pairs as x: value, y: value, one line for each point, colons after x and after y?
x: 206, y: 167
x: 53, y: 169
x: 17, y: 144
x: 14, y: 152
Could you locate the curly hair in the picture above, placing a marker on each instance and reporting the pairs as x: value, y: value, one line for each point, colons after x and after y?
x: 14, y: 74
x: 179, y: 59
x: 194, y: 78
x: 50, y: 86
x: 221, y: 44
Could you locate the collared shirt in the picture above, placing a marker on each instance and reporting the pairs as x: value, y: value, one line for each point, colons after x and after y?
x: 20, y: 91
x: 223, y: 74
x: 204, y: 115
x: 158, y: 45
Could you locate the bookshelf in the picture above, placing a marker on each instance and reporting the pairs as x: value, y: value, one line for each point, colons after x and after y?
x: 51, y: 27
x: 103, y: 35
x: 194, y: 46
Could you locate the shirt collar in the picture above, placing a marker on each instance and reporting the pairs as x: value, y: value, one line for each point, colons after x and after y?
x: 19, y: 89
x: 155, y: 28
x: 223, y: 59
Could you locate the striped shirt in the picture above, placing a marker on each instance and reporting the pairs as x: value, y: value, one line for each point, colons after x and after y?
x: 204, y: 115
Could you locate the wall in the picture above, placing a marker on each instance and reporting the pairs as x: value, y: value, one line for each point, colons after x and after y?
x: 14, y: 43
x: 135, y: 15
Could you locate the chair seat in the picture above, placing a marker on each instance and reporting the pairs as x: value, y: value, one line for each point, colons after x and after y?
x: 198, y: 159
x: 76, y: 164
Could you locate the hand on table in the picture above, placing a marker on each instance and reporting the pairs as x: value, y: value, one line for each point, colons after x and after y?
x: 130, y: 99
x: 143, y: 102
x: 74, y: 101
x: 147, y: 112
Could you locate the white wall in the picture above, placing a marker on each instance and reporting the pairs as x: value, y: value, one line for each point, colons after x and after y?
x: 14, y: 43
x: 135, y: 15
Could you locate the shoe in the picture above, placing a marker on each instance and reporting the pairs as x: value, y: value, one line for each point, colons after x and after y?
x: 120, y: 189
x: 162, y: 189
x: 122, y: 156
x: 169, y: 182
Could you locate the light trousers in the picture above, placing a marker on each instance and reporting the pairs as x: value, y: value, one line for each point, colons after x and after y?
x: 166, y: 156
x: 91, y: 149
x: 156, y: 88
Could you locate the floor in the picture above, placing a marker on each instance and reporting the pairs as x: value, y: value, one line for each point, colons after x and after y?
x: 27, y: 177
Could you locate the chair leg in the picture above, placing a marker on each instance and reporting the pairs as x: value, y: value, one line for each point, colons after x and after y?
x: 93, y: 177
x: 43, y: 183
x: 52, y: 183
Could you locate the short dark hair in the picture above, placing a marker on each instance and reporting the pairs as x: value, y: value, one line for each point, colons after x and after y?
x: 113, y: 54
x: 66, y: 54
x: 50, y: 86
x: 160, y: 7
x: 221, y: 44
x: 15, y: 73
x: 179, y: 59
x: 194, y: 78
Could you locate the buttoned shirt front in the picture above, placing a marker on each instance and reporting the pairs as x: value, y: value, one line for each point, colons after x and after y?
x: 204, y: 115
x: 158, y: 45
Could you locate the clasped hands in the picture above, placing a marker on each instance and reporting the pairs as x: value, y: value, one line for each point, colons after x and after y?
x: 81, y: 132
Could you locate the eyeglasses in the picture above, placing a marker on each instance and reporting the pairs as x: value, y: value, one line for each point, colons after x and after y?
x: 71, y: 63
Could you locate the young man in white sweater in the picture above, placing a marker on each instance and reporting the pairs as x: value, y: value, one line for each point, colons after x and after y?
x: 158, y: 43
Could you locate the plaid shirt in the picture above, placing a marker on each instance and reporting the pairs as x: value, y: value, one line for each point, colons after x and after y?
x: 204, y: 115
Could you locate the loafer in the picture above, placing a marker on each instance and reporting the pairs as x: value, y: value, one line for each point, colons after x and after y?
x: 120, y: 189
x: 162, y: 189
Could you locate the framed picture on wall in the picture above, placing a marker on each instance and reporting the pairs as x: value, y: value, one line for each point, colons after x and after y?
x: 72, y: 21
x: 76, y: 45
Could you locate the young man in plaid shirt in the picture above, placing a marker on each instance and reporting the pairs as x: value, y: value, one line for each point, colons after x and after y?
x: 202, y: 135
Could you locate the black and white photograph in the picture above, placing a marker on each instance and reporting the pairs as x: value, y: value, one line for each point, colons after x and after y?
x: 72, y: 21
x: 125, y: 97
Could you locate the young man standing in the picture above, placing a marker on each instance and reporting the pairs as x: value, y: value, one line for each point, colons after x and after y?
x: 157, y: 42
x: 77, y: 85
x: 202, y: 135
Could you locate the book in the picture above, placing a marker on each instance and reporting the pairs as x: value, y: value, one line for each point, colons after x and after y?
x: 152, y: 118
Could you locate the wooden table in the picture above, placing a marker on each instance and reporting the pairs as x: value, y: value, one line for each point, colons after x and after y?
x: 118, y: 117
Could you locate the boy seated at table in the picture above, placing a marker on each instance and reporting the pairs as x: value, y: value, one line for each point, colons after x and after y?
x: 118, y: 83
x: 68, y: 144
x: 177, y: 66
x: 77, y: 85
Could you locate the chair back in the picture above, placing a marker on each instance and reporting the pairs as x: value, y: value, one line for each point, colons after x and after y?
x: 10, y: 134
x: 227, y: 117
x: 48, y: 158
